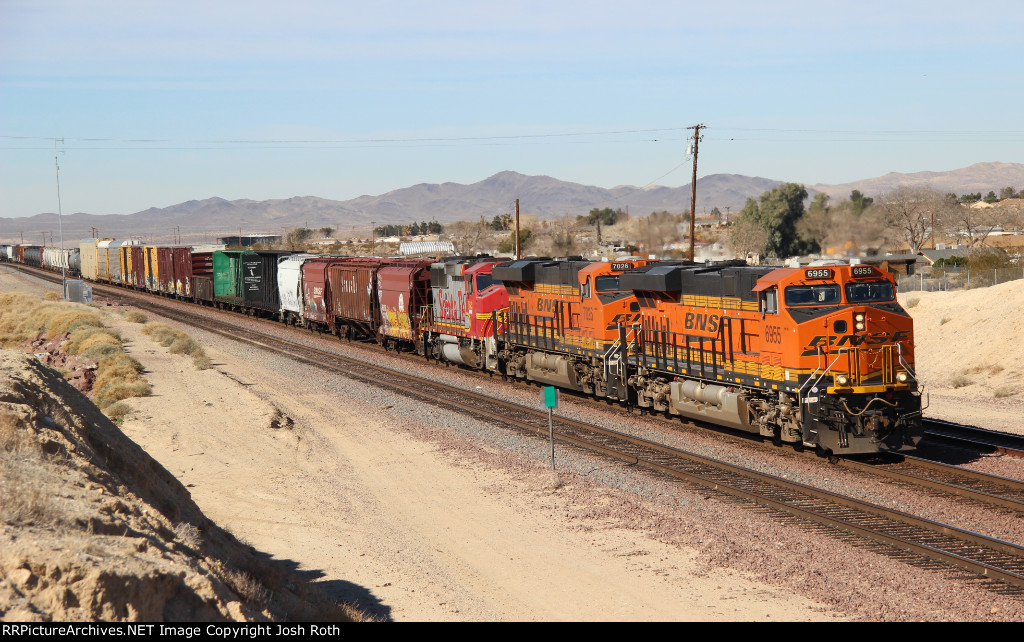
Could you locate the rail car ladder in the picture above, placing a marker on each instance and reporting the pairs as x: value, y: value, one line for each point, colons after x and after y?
x: 616, y: 360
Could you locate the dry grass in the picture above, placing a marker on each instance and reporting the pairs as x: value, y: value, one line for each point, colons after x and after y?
x: 959, y: 381
x: 118, y: 412
x: 248, y: 588
x: 912, y: 302
x: 1004, y: 391
x: 24, y: 316
x: 177, y: 342
x: 188, y: 535
x: 24, y: 472
x: 135, y: 316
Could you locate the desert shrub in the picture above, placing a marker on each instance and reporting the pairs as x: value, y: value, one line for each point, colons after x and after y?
x: 135, y: 316
x: 959, y: 381
x: 178, y: 342
x: 71, y: 319
x: 101, y: 351
x: 1004, y: 391
x: 944, y: 320
x: 912, y: 302
x: 183, y: 345
x: 188, y: 534
x: 121, y: 389
x: 118, y: 412
x: 84, y: 338
x: 23, y: 474
x: 122, y: 360
x: 52, y: 296
x: 248, y: 588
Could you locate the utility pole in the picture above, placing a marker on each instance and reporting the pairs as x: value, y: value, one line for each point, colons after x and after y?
x: 517, y: 229
x: 693, y: 187
x: 60, y: 224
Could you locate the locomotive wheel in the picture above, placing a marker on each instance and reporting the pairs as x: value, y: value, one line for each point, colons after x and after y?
x: 777, y: 436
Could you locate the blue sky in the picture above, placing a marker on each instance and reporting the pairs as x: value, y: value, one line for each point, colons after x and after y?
x: 163, y: 102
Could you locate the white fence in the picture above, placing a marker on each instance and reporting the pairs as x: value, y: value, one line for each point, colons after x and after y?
x: 958, y: 279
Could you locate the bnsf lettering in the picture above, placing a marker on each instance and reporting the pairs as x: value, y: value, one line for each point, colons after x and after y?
x: 854, y: 340
x: 703, y: 322
x: 546, y: 305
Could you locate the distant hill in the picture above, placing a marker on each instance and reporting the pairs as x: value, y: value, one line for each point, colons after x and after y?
x: 980, y: 177
x: 203, y: 220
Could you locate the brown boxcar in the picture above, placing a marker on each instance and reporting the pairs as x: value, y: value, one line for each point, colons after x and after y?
x: 181, y: 265
x: 351, y: 294
x: 201, y: 282
x: 165, y: 270
x: 137, y: 266
x: 202, y: 285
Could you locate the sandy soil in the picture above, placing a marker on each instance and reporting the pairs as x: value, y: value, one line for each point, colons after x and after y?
x: 970, y: 359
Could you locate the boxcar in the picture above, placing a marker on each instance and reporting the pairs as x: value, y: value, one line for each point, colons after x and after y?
x: 351, y: 305
x: 200, y: 285
x: 259, y: 279
x: 227, y: 276
x: 87, y: 247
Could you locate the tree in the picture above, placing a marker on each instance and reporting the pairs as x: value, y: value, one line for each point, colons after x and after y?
x: 816, y: 225
x: 912, y: 214
x: 991, y: 197
x: 860, y: 202
x: 747, y: 237
x: 778, y: 211
x: 1006, y: 192
x: 607, y: 216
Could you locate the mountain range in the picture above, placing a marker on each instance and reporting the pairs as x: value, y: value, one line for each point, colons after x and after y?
x: 200, y: 221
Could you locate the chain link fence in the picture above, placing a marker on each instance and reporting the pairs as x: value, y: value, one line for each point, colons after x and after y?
x: 958, y: 279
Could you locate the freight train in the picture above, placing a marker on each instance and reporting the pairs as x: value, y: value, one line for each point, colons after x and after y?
x: 818, y: 356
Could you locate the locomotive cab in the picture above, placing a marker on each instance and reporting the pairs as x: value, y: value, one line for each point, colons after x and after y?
x: 853, y: 357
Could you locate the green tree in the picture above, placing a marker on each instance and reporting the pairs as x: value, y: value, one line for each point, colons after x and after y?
x: 991, y: 197
x: 1007, y: 192
x: 778, y: 212
x: 860, y: 202
x: 606, y: 216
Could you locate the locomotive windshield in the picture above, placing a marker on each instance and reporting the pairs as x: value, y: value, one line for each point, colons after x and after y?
x: 869, y: 292
x: 607, y: 283
x: 484, y: 281
x: 824, y: 294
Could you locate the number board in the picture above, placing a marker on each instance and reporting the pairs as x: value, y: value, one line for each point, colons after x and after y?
x: 862, y: 270
x: 818, y: 273
x: 622, y: 266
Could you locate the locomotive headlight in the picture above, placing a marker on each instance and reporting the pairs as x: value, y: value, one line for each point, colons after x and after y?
x: 859, y: 326
x: 841, y: 380
x: 901, y: 377
x: 859, y: 318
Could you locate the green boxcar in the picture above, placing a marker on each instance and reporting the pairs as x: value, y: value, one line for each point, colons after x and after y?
x: 227, y: 276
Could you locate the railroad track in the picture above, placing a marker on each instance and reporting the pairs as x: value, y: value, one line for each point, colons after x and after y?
x: 998, y: 564
x: 975, y: 438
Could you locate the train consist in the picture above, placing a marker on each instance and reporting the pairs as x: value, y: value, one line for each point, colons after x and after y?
x: 818, y: 356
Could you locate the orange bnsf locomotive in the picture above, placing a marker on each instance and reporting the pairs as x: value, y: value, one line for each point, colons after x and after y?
x: 818, y: 356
